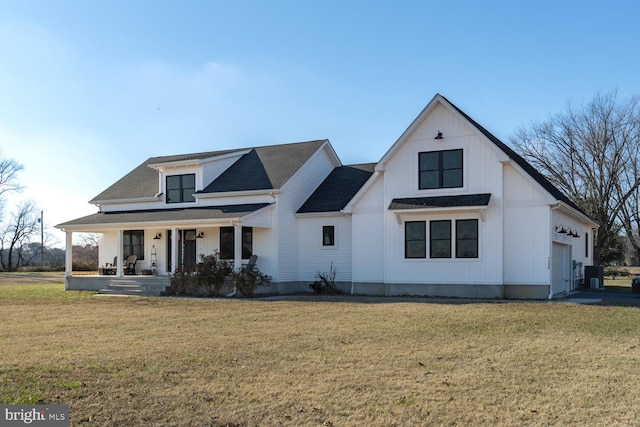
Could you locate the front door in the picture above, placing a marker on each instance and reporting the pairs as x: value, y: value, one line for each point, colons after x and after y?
x: 187, y: 249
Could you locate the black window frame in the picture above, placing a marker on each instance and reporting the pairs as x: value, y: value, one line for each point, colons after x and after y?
x: 459, y: 239
x: 586, y: 245
x: 227, y: 242
x: 440, y: 170
x: 184, y: 194
x: 437, y: 239
x: 328, y: 236
x: 129, y: 247
x: 410, y: 244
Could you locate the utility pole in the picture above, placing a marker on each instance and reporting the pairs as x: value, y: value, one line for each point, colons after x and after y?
x: 41, y: 221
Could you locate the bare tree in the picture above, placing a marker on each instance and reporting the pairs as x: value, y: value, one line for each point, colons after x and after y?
x: 590, y: 153
x: 9, y: 169
x: 15, y: 236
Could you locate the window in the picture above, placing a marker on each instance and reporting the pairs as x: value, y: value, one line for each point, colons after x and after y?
x: 247, y: 242
x: 440, y: 234
x: 227, y: 242
x: 328, y: 235
x: 180, y: 188
x: 133, y: 243
x: 415, y: 239
x: 586, y: 245
x: 440, y: 169
x: 467, y: 238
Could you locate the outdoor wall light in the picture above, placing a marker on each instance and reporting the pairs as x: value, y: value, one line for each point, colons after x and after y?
x: 200, y: 235
x: 562, y: 230
x: 157, y: 236
x: 439, y: 135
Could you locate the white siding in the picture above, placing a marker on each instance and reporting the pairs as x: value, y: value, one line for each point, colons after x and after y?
x: 292, y: 195
x: 313, y: 257
x: 368, y: 236
x: 526, y: 223
x: 482, y: 174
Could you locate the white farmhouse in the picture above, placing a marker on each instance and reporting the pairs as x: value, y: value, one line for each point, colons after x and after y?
x: 449, y: 210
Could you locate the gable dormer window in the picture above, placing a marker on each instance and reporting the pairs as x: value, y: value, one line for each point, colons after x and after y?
x: 440, y: 169
x: 180, y: 188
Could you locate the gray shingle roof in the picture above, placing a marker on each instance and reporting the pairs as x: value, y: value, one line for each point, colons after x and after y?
x: 162, y: 215
x: 264, y: 168
x: 465, y: 200
x: 143, y: 180
x: 338, y: 188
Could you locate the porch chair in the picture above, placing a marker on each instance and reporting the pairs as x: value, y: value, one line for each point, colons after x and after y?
x: 129, y: 266
x: 252, y: 262
x: 109, y: 269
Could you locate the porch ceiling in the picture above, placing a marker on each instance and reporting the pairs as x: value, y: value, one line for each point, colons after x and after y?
x: 163, y: 216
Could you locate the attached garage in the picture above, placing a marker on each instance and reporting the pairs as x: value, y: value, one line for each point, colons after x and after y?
x: 561, y: 281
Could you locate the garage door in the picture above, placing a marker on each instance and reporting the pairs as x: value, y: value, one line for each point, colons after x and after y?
x: 560, y: 268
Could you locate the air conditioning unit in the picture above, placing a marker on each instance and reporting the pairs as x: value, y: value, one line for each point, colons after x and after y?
x: 595, y: 283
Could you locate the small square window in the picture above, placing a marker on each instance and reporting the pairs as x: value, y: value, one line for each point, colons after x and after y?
x: 328, y: 235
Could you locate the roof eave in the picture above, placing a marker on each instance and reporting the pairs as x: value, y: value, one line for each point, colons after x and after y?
x: 266, y: 192
x: 569, y: 210
x: 133, y: 200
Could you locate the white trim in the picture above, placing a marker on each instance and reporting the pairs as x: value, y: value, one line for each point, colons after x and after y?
x: 348, y: 209
x: 196, y: 162
x: 335, y: 236
x: 320, y: 214
x: 136, y: 200
x: 235, y: 193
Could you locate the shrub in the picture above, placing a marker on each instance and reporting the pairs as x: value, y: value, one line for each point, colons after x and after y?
x: 207, y: 280
x: 210, y: 274
x: 182, y: 283
x: 326, y: 283
x: 248, y: 279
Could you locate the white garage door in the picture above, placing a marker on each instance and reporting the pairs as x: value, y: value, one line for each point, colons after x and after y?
x: 560, y: 268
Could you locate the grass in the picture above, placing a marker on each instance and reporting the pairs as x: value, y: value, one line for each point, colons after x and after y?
x: 337, y: 361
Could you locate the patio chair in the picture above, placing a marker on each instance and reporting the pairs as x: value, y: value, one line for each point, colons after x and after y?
x: 252, y: 262
x: 109, y: 269
x: 129, y: 266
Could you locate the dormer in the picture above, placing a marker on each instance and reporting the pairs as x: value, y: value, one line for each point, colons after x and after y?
x: 179, y: 180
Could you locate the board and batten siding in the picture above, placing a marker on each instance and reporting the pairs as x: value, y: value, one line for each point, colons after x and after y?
x: 315, y: 258
x: 526, y: 223
x: 292, y: 195
x: 482, y: 173
x: 367, y: 225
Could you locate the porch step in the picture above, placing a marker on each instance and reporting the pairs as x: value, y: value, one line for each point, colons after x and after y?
x: 144, y: 286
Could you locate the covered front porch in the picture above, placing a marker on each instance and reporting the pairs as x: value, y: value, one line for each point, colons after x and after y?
x: 165, y: 242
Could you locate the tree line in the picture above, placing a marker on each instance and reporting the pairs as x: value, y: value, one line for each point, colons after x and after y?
x: 590, y: 152
x: 21, y: 244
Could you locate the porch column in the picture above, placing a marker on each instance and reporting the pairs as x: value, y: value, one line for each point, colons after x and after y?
x: 237, y: 246
x: 174, y: 250
x: 68, y: 254
x: 119, y: 253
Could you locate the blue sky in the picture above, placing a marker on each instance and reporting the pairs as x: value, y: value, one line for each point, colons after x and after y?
x: 90, y: 89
